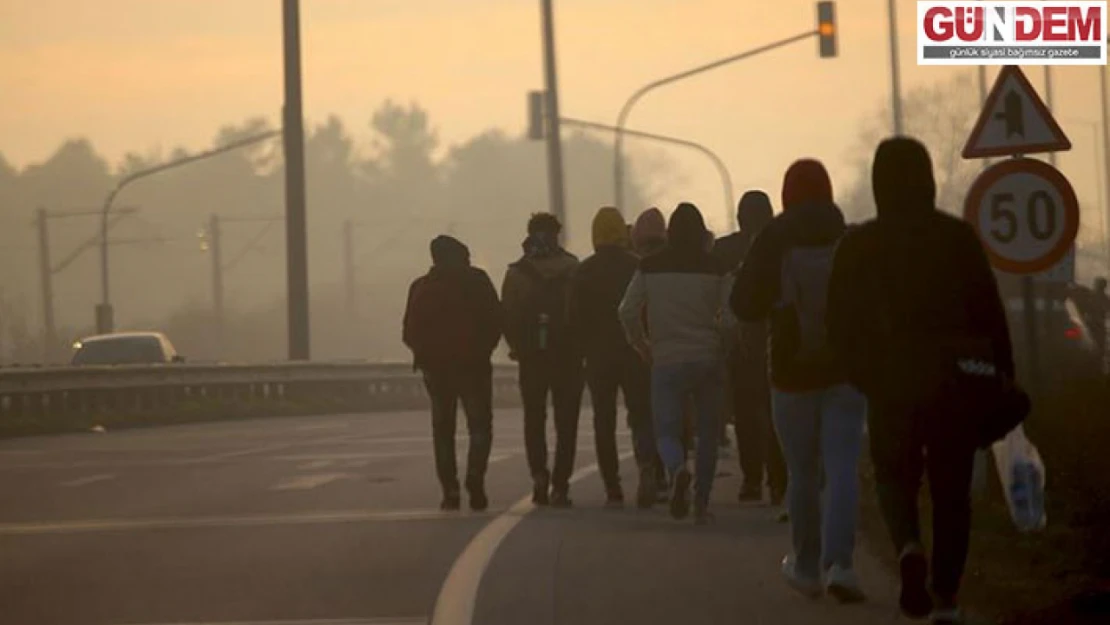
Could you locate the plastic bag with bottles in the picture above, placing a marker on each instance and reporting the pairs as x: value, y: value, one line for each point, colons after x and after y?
x: 1022, y: 474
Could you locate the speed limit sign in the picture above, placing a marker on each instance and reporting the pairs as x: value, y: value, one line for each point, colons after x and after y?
x: 1026, y: 214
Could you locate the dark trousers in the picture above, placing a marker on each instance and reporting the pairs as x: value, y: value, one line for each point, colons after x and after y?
x: 907, y: 444
x: 473, y: 386
x: 562, y: 378
x: 628, y: 374
x: 758, y: 446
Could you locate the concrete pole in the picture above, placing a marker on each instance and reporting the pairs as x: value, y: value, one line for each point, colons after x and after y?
x: 296, y: 244
x: 49, y: 329
x: 895, y: 71
x: 216, y: 248
x: 554, y: 136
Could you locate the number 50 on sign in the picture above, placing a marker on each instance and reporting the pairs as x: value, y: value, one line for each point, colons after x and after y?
x: 1026, y: 214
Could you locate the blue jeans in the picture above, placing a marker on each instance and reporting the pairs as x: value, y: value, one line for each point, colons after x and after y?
x: 671, y: 384
x: 821, y: 429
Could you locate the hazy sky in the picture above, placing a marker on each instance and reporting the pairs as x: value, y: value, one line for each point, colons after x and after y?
x: 136, y: 74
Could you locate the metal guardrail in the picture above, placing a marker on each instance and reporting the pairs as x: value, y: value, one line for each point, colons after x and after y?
x: 55, y: 391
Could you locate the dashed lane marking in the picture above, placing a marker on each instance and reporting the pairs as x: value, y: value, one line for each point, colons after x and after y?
x: 91, y: 479
x: 308, y: 482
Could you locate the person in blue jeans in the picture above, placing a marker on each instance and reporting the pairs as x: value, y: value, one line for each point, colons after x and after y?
x: 684, y: 290
x: 818, y: 416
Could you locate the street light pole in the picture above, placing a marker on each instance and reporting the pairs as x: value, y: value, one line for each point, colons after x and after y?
x: 216, y: 247
x: 895, y: 70
x: 49, y: 329
x: 104, y: 321
x: 726, y: 178
x: 554, y: 136
x: 626, y: 110
x: 296, y: 244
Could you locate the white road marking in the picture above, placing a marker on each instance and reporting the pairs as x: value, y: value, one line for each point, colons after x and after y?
x: 250, y: 451
x: 91, y: 479
x: 316, y: 518
x: 459, y: 593
x: 308, y: 482
x: 316, y: 464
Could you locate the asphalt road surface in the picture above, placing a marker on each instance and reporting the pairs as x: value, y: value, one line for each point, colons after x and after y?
x: 335, y: 521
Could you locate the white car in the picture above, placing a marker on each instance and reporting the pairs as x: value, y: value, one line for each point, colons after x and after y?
x: 125, y: 348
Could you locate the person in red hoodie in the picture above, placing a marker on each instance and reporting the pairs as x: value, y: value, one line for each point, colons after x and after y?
x: 818, y: 416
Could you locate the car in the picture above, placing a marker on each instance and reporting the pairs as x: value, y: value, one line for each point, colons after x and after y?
x: 125, y: 348
x: 1066, y: 346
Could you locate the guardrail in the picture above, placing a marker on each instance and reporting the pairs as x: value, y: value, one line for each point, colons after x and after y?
x: 334, y: 387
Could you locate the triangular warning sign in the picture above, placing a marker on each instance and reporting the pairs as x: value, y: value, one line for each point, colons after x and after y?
x: 1014, y: 120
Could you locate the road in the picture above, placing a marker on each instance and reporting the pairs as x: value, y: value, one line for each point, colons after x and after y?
x: 335, y: 521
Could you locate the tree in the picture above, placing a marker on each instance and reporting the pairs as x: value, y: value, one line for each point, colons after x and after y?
x: 940, y: 116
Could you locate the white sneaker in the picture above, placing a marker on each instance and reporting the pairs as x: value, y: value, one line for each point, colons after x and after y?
x: 843, y: 584
x: 809, y: 587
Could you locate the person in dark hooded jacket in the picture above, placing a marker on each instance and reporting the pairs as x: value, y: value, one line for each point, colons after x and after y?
x: 905, y: 287
x: 612, y: 365
x: 760, y: 453
x: 684, y: 291
x: 536, y: 296
x: 818, y: 417
x: 452, y: 325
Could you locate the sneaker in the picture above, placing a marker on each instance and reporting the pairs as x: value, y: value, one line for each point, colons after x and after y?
x: 451, y: 502
x: 479, y: 502
x: 680, y: 497
x: 783, y: 516
x: 843, y: 584
x: 646, y: 493
x: 808, y: 587
x: 540, y: 484
x: 560, y: 499
x: 750, y: 492
x: 915, y: 601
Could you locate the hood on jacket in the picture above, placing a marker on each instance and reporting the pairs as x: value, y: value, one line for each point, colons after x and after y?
x: 650, y: 231
x: 686, y: 230
x: 902, y: 178
x: 814, y: 223
x: 554, y: 265
x: 806, y: 182
x: 541, y: 245
x: 754, y: 212
x: 609, y: 228
x: 448, y: 251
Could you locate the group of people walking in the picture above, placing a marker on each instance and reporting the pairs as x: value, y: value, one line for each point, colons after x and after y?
x: 802, y: 327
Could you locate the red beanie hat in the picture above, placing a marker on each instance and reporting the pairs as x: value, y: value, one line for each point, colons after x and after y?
x: 806, y: 181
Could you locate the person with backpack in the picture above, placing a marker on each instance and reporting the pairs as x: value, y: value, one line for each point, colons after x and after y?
x: 535, y: 296
x: 910, y: 291
x: 685, y: 293
x: 611, y: 363
x: 452, y: 324
x: 760, y: 453
x: 818, y: 416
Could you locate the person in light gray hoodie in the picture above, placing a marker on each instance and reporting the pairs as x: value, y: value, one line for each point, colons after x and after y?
x: 685, y: 291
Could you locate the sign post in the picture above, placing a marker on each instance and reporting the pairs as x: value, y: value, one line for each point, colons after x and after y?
x: 1024, y: 211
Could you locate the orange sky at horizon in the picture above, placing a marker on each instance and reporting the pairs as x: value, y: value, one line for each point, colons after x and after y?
x: 132, y: 75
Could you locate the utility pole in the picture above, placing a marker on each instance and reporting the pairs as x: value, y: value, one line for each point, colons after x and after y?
x: 217, y: 278
x: 1103, y: 104
x: 349, y: 269
x: 554, y: 136
x: 895, y: 71
x: 296, y: 244
x: 49, y: 329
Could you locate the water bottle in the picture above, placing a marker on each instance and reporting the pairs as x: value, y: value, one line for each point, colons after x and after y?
x: 544, y: 320
x: 1027, y: 495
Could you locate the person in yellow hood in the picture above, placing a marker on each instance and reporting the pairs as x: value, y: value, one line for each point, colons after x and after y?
x: 612, y: 365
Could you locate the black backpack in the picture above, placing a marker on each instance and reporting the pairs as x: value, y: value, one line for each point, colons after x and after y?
x: 545, y: 327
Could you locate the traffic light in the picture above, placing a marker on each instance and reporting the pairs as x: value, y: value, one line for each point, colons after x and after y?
x: 826, y: 29
x: 536, y: 125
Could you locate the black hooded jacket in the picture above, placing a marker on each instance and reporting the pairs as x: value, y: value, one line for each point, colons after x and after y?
x: 759, y: 280
x: 910, y: 286
x: 753, y: 215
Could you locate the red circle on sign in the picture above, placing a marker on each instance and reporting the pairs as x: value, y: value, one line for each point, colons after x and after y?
x: 1053, y: 177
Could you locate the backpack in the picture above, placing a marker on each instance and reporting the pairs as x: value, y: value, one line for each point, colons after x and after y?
x: 545, y: 327
x: 803, y: 298
x: 441, y: 323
